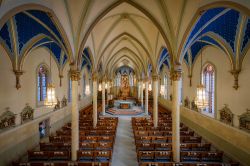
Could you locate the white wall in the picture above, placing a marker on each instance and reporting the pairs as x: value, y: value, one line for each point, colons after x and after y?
x: 27, y: 134
x: 237, y: 100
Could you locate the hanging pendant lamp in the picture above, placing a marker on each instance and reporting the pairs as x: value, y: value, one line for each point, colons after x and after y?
x: 201, y: 99
x: 50, y: 100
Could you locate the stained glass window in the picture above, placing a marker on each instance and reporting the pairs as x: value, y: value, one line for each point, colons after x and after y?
x: 42, y: 80
x: 209, y: 82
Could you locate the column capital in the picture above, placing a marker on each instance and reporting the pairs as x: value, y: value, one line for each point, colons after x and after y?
x: 146, y: 79
x: 75, y: 75
x: 176, y: 72
x: 175, y: 75
x: 94, y: 76
x: 155, y: 77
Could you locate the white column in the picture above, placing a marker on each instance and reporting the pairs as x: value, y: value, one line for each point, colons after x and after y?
x: 94, y: 80
x: 155, y: 99
x: 146, y: 96
x: 142, y: 94
x: 139, y: 89
x: 176, y: 77
x: 103, y: 97
x: 75, y: 76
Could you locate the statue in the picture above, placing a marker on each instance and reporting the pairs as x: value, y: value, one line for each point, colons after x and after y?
x: 64, y: 102
x: 194, y: 106
x: 7, y: 119
x: 27, y: 113
x: 57, y: 106
x: 245, y: 120
x: 186, y: 102
x: 226, y: 115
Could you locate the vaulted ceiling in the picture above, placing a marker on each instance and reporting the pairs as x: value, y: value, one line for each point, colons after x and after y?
x: 141, y: 34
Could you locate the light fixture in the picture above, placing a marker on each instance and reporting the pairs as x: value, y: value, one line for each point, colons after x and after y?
x: 87, y: 91
x: 201, y: 99
x: 50, y: 100
x: 100, y: 87
x: 162, y: 90
x: 106, y: 85
x: 150, y: 87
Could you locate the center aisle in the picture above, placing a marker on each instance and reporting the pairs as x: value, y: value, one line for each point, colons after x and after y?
x: 124, y: 153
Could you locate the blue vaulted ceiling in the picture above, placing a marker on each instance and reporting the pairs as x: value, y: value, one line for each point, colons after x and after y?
x: 86, y: 59
x: 246, y: 36
x: 30, y: 24
x: 5, y: 36
x: 221, y: 22
x: 164, y: 58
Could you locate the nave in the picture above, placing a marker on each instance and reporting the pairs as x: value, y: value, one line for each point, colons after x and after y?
x: 94, y: 81
x: 123, y: 141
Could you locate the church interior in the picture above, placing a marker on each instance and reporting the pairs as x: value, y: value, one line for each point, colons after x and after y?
x: 124, y: 82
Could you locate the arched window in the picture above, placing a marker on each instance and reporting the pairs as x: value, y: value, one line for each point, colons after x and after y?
x: 42, y: 80
x: 84, y: 84
x: 165, y: 86
x: 70, y: 90
x: 208, y: 80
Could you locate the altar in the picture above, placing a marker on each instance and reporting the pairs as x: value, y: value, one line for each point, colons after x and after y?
x: 124, y: 104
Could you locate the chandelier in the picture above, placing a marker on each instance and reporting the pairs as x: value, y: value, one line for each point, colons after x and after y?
x: 150, y: 87
x: 201, y: 99
x: 50, y: 100
x: 87, y: 91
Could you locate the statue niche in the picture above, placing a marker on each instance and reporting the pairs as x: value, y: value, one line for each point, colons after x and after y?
x: 27, y: 113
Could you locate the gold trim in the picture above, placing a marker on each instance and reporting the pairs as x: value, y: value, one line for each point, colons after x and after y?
x: 75, y: 75
x: 235, y: 73
x: 155, y: 77
x: 176, y: 72
x: 95, y: 76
